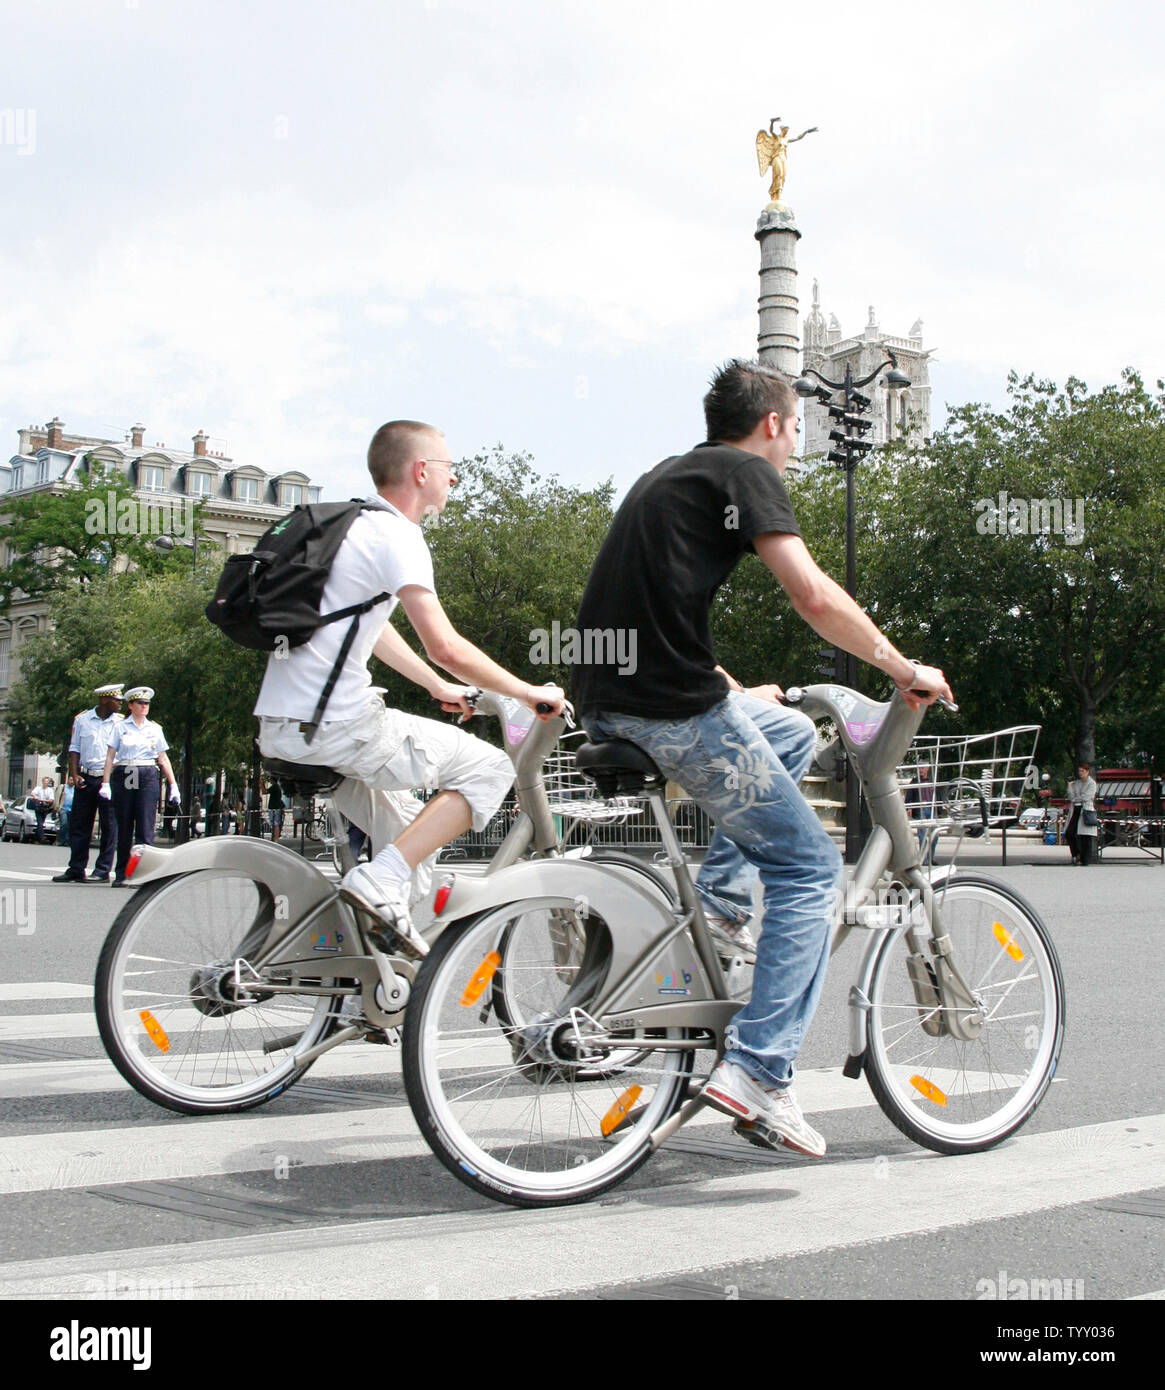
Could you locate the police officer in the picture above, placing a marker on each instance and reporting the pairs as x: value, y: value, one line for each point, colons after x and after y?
x: 136, y: 757
x: 88, y: 745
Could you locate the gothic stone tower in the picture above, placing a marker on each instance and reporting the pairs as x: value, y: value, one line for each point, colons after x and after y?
x: 829, y: 353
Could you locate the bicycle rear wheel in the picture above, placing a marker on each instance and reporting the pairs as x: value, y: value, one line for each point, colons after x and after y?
x: 168, y: 1010
x: 513, y: 1100
x: 958, y: 1096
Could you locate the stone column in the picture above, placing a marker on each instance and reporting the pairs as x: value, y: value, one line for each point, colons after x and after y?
x: 778, y: 340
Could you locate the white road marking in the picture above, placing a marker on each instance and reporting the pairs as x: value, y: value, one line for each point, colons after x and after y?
x: 759, y: 1215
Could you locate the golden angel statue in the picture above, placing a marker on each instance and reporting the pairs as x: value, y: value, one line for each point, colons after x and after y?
x: 772, y: 150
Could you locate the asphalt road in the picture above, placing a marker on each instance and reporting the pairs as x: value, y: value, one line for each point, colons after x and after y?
x: 97, y: 1184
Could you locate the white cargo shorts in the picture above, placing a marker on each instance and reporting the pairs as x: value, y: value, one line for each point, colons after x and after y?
x: 385, y: 755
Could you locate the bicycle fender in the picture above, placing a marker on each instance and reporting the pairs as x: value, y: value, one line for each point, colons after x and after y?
x: 282, y: 870
x: 640, y: 909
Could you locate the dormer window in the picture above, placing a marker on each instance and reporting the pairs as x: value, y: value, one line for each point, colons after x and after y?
x: 290, y: 494
x: 246, y: 489
x: 42, y: 470
x: 198, y: 484
x: 17, y: 476
x: 151, y: 478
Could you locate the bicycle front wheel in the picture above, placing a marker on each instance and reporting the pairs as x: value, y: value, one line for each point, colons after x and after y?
x: 169, y: 1011
x: 955, y: 1095
x: 513, y: 1089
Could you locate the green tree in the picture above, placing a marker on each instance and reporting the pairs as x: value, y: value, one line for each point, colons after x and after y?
x: 968, y: 559
x: 511, y: 555
x: 72, y: 537
x: 141, y: 628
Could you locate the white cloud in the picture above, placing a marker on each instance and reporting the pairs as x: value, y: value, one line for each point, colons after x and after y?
x: 510, y: 195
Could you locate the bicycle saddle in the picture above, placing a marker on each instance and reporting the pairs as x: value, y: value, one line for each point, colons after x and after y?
x: 617, y: 766
x: 304, y: 778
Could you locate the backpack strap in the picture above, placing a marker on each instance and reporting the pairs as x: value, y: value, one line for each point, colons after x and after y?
x: 356, y: 611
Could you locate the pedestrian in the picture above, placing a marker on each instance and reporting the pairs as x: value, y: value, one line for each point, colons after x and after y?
x: 195, y: 817
x: 135, y: 762
x: 63, y: 806
x: 1082, y: 828
x: 920, y: 801
x: 275, y: 808
x: 43, y: 800
x: 88, y: 745
x: 678, y: 535
x: 384, y: 558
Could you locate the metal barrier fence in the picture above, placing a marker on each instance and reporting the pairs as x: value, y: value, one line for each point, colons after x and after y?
x: 628, y: 825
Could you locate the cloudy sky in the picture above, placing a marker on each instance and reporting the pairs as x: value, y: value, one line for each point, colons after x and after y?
x: 531, y: 223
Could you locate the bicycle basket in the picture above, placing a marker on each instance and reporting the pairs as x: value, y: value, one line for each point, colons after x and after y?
x: 966, y: 774
x: 573, y: 796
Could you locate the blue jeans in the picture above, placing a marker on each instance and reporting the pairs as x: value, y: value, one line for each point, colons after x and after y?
x: 741, y: 761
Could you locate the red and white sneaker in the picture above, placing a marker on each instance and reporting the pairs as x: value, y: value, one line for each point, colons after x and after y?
x: 391, y: 929
x: 769, y: 1119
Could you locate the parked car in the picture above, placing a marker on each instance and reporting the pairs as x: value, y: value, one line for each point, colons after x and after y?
x: 20, y: 821
x: 1038, y: 818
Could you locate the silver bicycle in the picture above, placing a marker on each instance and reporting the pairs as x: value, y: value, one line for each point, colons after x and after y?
x: 560, y: 1028
x: 238, y: 962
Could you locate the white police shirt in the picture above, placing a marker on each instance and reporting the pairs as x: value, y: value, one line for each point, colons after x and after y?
x: 382, y: 552
x: 132, y: 744
x: 90, y: 739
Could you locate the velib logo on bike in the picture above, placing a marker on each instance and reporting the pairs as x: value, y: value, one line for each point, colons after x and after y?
x: 1034, y: 516
x: 592, y: 646
x: 674, y: 982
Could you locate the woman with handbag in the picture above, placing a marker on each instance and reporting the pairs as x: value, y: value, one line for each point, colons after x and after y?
x: 1082, y: 828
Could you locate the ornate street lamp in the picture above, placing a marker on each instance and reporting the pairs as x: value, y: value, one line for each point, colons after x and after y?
x: 850, y: 447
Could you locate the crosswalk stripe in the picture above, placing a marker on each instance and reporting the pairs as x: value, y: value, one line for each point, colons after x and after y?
x: 46, y: 989
x: 758, y: 1215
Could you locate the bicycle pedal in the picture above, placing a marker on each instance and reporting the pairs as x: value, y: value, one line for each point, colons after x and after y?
x: 383, y: 1037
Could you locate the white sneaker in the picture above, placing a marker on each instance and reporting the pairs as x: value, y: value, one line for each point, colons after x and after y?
x: 737, y: 938
x: 392, y: 929
x: 766, y: 1118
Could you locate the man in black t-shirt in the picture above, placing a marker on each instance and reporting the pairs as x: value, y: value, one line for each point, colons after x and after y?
x: 678, y: 535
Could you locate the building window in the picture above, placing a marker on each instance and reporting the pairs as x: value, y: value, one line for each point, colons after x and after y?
x: 152, y: 479
x: 17, y: 476
x: 246, y: 489
x: 292, y: 494
x: 5, y: 645
x: 902, y: 414
x: 199, y: 484
x: 313, y: 494
x: 42, y: 470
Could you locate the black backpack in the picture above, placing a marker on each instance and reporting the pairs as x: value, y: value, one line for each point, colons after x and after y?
x: 272, y: 595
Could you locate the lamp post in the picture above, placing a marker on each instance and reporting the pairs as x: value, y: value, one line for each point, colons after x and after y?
x: 167, y: 545
x: 850, y: 447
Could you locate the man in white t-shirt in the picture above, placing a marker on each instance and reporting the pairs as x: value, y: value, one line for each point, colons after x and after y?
x: 381, y: 751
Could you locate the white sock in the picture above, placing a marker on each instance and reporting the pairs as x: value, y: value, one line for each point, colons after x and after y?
x: 390, y: 868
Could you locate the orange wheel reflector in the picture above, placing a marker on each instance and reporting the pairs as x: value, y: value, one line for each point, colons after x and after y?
x: 928, y: 1089
x: 155, y: 1030
x: 1007, y: 941
x: 481, y: 977
x: 618, y: 1112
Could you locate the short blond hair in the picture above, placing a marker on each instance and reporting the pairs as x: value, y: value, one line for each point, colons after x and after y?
x: 391, y: 450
